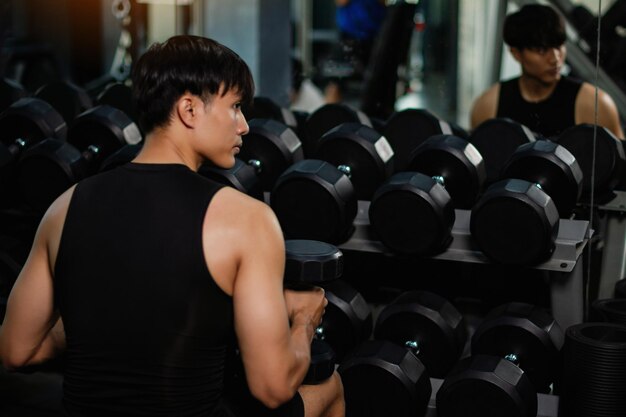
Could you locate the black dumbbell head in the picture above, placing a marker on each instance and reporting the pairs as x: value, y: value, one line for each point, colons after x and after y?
x: 322, y: 363
x: 381, y: 378
x: 266, y: 108
x: 312, y: 262
x: 609, y: 160
x: 620, y: 288
x: 496, y: 140
x: 241, y: 176
x: 458, y: 163
x: 119, y: 96
x: 429, y: 323
x: 105, y: 127
x: 46, y: 170
x: 486, y: 386
x: 412, y: 214
x: 407, y: 129
x: 69, y: 99
x: 314, y: 200
x: 515, y: 223
x: 348, y: 318
x: 363, y: 150
x: 10, y: 92
x: 274, y: 146
x: 551, y: 166
x: 31, y: 119
x: 326, y: 118
x: 122, y: 156
x: 526, y: 331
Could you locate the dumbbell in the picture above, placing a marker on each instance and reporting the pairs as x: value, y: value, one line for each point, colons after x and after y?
x: 25, y: 123
x: 49, y: 168
x: 620, y: 288
x: 317, y: 198
x: 347, y: 320
x: 325, y: 118
x: 413, y: 212
x: 496, y: 140
x: 602, y: 173
x: 418, y: 335
x: 516, y: 221
x: 119, y: 96
x: 407, y: 129
x: 515, y: 355
x: 10, y: 92
x: 612, y: 310
x: 268, y: 150
x: 66, y: 97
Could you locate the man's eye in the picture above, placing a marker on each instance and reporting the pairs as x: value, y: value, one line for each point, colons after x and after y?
x: 237, y: 105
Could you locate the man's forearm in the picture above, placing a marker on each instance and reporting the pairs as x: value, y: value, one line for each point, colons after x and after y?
x: 51, y: 346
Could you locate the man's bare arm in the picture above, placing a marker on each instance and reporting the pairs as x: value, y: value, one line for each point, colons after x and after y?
x: 608, y: 115
x: 485, y: 106
x: 32, y: 331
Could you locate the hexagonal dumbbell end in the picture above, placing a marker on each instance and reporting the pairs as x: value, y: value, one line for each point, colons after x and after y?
x: 510, y: 209
x: 527, y: 333
x: 241, y: 177
x: 429, y: 324
x: 486, y: 386
x: 322, y: 363
x: 381, y: 378
x: 312, y: 262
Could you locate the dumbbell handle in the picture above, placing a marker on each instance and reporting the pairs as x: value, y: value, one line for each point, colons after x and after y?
x: 256, y: 164
x: 91, y: 153
x: 17, y: 146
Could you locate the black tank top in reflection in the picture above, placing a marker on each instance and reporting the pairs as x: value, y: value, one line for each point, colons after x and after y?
x: 548, y: 117
x: 147, y: 327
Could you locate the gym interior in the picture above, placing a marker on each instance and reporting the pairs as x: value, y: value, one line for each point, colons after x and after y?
x: 459, y: 267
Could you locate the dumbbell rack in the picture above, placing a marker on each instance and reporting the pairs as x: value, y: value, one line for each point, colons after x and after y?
x: 564, y: 268
x: 614, y: 252
x: 547, y: 405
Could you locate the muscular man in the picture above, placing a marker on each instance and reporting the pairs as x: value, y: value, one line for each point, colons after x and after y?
x: 541, y: 98
x: 144, y: 274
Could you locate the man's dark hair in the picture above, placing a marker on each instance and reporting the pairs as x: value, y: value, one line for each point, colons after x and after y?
x: 183, y: 64
x: 534, y: 26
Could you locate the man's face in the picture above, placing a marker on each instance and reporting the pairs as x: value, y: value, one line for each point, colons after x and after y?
x: 222, y: 126
x: 543, y: 64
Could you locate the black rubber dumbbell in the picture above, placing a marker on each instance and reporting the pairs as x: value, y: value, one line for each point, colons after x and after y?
x: 515, y: 355
x: 10, y: 92
x: 66, y: 97
x: 347, y: 320
x: 268, y: 150
x: 407, y: 129
x: 496, y: 140
x: 25, y: 123
x: 413, y: 212
x: 49, y: 168
x: 317, y: 198
x: 516, y: 221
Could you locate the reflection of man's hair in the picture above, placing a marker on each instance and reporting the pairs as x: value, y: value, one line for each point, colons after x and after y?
x: 534, y: 26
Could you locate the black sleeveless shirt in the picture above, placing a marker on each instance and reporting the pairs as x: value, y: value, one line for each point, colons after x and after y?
x: 147, y: 327
x: 548, y: 117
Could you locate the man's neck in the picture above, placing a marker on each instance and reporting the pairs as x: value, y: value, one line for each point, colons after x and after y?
x: 534, y: 90
x: 160, y: 147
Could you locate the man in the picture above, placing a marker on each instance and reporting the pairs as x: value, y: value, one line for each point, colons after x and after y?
x: 143, y: 274
x: 541, y: 98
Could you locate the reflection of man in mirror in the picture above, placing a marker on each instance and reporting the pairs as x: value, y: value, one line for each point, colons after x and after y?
x: 541, y: 98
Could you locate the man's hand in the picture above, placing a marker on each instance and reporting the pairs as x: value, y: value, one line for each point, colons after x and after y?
x: 305, y: 307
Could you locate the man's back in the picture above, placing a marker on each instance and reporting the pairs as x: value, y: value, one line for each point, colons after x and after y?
x: 138, y: 231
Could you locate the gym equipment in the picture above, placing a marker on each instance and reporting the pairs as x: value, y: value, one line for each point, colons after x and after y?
x: 49, y: 168
x: 266, y: 108
x: 594, y: 365
x: 120, y: 157
x: 428, y: 325
x: 516, y: 221
x: 119, y: 96
x: 317, y: 199
x: 10, y: 92
x: 610, y: 159
x: 407, y: 129
x: 611, y: 310
x: 25, y: 123
x: 620, y: 288
x: 269, y: 149
x: 496, y: 140
x: 515, y: 354
x: 381, y: 378
x: 326, y: 118
x: 413, y: 213
x: 66, y: 97
x: 348, y: 319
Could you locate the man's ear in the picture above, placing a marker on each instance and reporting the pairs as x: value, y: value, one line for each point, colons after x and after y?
x: 516, y: 53
x: 187, y: 110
